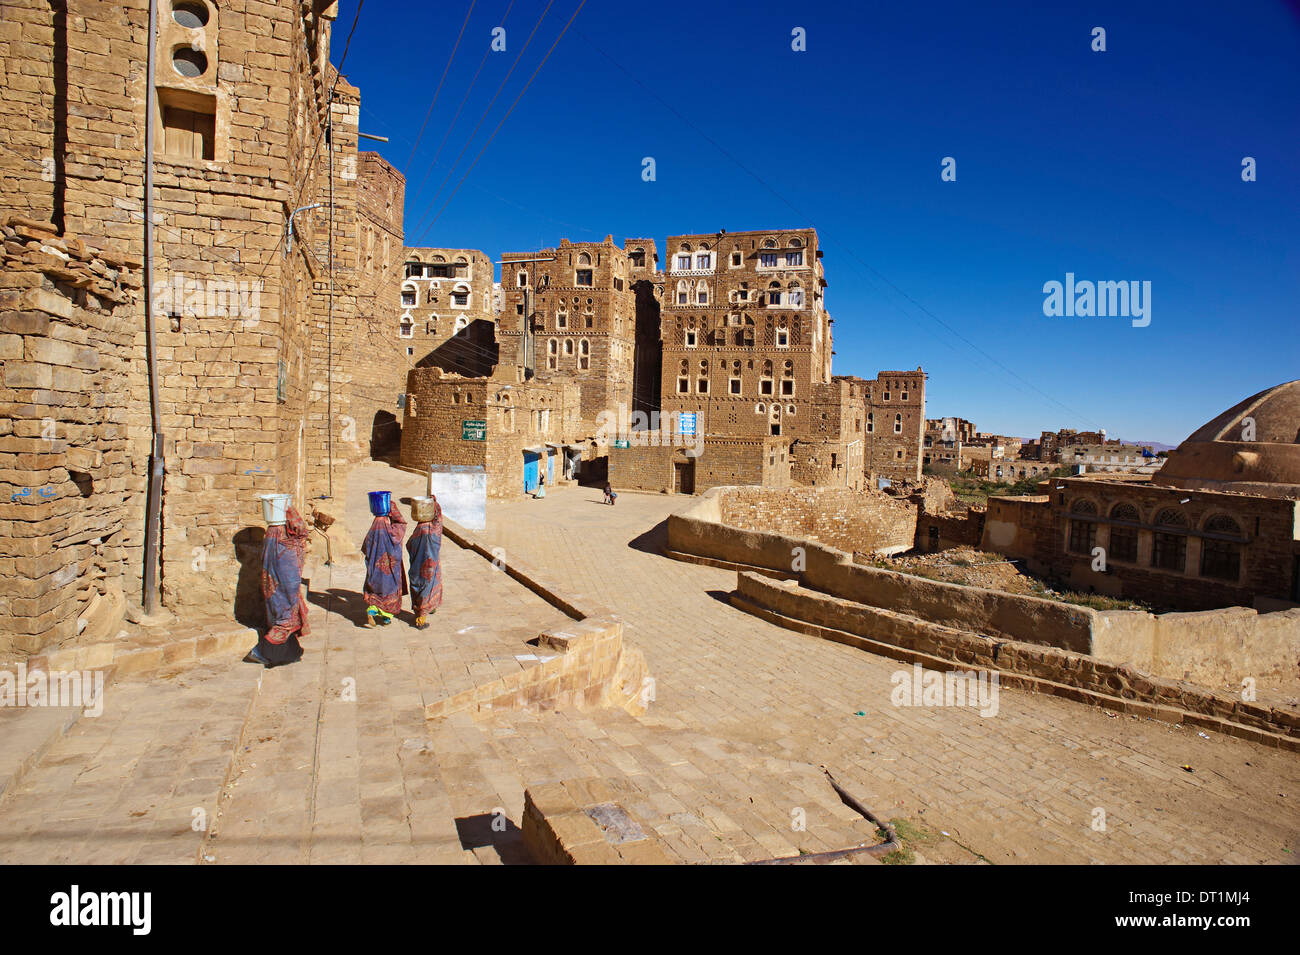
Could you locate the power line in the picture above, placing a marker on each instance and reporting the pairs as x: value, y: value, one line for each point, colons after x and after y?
x: 508, y: 112
x: 445, y: 69
x: 479, y: 125
x: 464, y: 99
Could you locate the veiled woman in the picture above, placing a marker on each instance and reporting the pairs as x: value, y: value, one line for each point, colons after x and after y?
x: 385, y: 572
x: 283, y: 553
x: 424, y: 547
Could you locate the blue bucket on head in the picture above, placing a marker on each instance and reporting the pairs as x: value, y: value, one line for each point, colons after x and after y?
x: 380, y: 503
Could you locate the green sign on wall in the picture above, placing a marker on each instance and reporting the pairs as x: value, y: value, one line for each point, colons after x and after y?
x: 474, y: 430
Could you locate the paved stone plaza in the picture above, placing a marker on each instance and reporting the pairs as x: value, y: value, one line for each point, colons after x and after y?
x: 222, y: 762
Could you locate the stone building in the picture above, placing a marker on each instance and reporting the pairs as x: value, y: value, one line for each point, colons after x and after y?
x: 943, y: 443
x: 745, y: 351
x: 1109, y: 458
x: 571, y: 311
x: 376, y: 377
x: 517, y: 429
x: 895, y: 425
x: 1217, y: 526
x: 252, y: 296
x: 447, y: 319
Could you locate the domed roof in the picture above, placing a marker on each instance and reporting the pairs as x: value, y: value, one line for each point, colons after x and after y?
x: 1252, y: 447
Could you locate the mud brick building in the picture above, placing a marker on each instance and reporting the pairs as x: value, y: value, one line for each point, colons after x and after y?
x: 745, y: 348
x: 943, y: 443
x: 253, y: 298
x: 895, y: 425
x: 572, y: 311
x: 1217, y: 526
x: 446, y: 315
x: 515, y: 428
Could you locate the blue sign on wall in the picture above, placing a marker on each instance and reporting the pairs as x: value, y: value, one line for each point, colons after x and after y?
x: 686, y: 423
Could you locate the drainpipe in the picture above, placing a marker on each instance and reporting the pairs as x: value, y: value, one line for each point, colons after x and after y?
x: 154, y: 500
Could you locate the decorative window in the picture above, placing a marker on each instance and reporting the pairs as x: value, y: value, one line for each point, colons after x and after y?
x: 765, y: 381
x: 737, y: 259
x: 683, y: 263
x: 584, y: 354
x: 767, y: 260
x: 898, y: 424
x: 409, y: 296
x: 782, y: 338
x: 568, y: 346
x: 462, y: 325
x: 796, y: 296
x: 1221, y: 559
x: 407, y: 327
x: 773, y: 294
x: 583, y: 278
x: 690, y: 339
x: 704, y: 260
x: 702, y: 294
x: 561, y: 320
x: 681, y: 292
x: 794, y: 258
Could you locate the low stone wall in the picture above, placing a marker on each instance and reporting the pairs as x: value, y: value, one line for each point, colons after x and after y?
x: 1211, y: 647
x: 1077, y: 676
x: 842, y: 517
x: 590, y: 665
x: 701, y: 531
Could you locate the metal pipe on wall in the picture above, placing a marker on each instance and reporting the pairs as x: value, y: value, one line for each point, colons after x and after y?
x: 153, y: 511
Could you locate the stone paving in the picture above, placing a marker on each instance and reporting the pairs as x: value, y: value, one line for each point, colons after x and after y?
x: 223, y: 762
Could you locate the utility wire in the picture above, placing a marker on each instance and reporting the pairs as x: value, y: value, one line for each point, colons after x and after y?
x: 445, y: 70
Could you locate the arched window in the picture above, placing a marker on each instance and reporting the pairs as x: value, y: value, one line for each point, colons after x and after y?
x: 871, y: 422
x: 898, y: 424
x: 568, y: 346
x: 1123, y: 536
x: 702, y: 293
x: 774, y: 294
x: 682, y: 291
x: 1169, y: 542
x: 1221, y: 558
x: 552, y: 353
x: 796, y: 297
x: 584, y: 259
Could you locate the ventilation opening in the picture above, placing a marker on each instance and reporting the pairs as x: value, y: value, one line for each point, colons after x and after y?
x: 190, y: 14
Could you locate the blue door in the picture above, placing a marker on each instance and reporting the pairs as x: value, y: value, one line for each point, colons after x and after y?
x: 531, y: 471
x: 550, y: 467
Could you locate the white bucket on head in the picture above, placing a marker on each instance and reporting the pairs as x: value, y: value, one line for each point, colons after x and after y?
x: 274, y: 506
x: 423, y: 508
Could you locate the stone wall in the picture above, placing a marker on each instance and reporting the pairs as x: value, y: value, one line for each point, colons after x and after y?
x: 851, y: 520
x: 252, y: 337
x: 72, y: 480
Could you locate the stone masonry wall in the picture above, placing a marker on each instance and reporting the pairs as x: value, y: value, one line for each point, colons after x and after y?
x: 71, y: 502
x: 845, y: 518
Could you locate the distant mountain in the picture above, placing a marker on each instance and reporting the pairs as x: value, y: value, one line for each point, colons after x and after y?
x: 1153, y: 445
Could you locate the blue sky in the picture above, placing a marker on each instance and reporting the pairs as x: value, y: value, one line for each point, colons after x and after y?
x: 1115, y: 165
